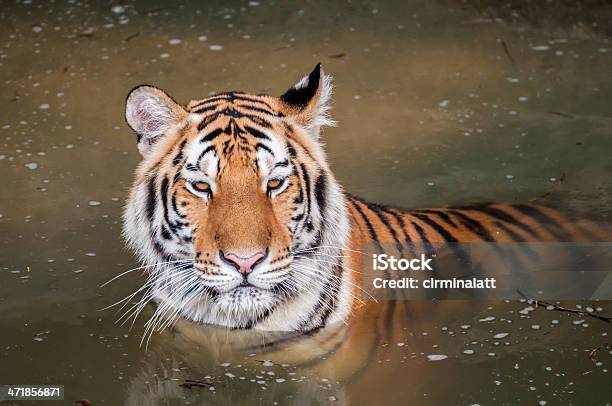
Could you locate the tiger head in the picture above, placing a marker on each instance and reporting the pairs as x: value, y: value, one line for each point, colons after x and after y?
x: 232, y: 200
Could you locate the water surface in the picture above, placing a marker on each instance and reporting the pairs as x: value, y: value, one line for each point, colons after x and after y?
x: 437, y: 103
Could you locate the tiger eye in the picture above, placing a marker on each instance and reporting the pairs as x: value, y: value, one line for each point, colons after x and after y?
x: 202, y: 187
x: 274, y: 183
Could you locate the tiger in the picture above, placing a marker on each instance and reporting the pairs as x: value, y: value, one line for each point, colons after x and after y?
x: 241, y: 223
x: 252, y: 246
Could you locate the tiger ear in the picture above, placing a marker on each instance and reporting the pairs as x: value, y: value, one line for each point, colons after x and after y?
x: 151, y: 113
x: 308, y: 101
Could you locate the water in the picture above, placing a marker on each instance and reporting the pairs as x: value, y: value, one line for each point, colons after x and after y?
x: 437, y: 103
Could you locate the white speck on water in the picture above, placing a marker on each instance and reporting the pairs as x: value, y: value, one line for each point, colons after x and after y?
x: 230, y: 375
x: 430, y: 184
x: 443, y: 103
x: 512, y: 80
x: 267, y: 363
x: 118, y: 9
x: 552, y: 179
x: 31, y: 166
x: 174, y: 41
x: 437, y: 357
x: 401, y: 344
x: 37, y: 28
x: 590, y: 309
x: 526, y: 310
x: 90, y: 254
x: 540, y: 48
x: 535, y: 326
x: 501, y: 335
x: 603, y: 50
x: 465, y: 326
x: 497, y: 383
x: 225, y: 364
x: 542, y: 402
x: 78, y: 270
x: 44, y: 106
x: 356, y: 97
x: 577, y: 322
x: 216, y: 47
x: 202, y: 38
x: 253, y: 3
x: 523, y: 98
x: 488, y: 318
x: 468, y: 352
x: 555, y: 322
x: 280, y: 380
x: 2, y: 157
x: 164, y: 55
x: 332, y: 398
x: 94, y: 203
x: 509, y: 177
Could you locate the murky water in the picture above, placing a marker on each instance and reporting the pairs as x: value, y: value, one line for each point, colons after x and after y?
x: 437, y: 103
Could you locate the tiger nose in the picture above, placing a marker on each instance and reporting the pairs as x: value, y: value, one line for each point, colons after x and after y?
x: 242, y: 264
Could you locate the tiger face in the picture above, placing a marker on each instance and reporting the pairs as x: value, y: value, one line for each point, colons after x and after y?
x: 233, y: 191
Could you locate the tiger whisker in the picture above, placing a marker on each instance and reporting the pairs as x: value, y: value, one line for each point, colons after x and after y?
x: 143, y: 267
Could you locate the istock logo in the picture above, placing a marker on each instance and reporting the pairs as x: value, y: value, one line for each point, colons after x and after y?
x: 384, y: 262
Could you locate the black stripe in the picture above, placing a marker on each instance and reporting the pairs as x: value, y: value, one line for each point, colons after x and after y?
x: 291, y: 150
x: 175, y: 207
x: 420, y: 231
x: 473, y: 225
x: 212, y: 135
x: 257, y: 109
x: 206, y: 151
x: 367, y: 223
x: 502, y: 215
x: 256, y: 133
x: 549, y: 223
x: 209, y: 119
x: 513, y: 235
x: 307, y: 192
x: 164, y: 198
x: 261, y: 122
x: 151, y: 198
x: 402, y: 225
x: 259, y: 145
x: 378, y: 211
x: 179, y: 156
x: 320, y: 191
x: 443, y: 216
x: 283, y: 164
x: 205, y: 109
x: 448, y: 237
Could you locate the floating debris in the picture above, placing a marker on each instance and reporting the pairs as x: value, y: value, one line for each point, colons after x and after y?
x: 31, y: 166
x: 118, y: 9
x: 499, y: 336
x: 216, y: 47
x: 437, y: 357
